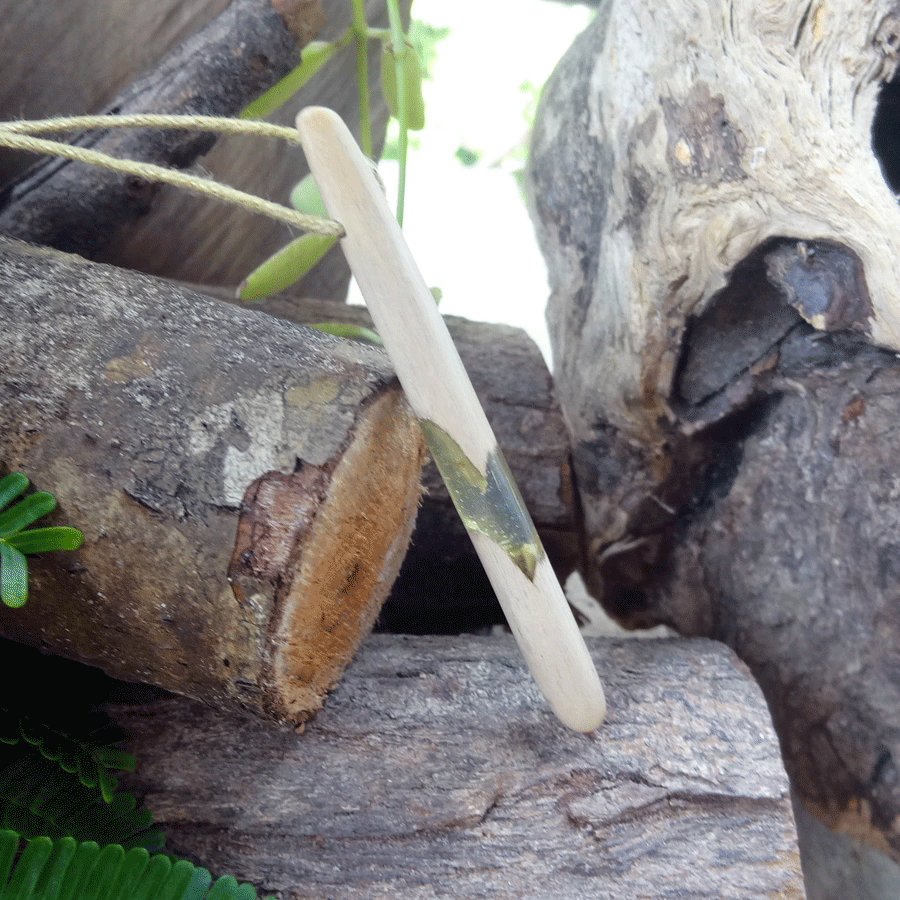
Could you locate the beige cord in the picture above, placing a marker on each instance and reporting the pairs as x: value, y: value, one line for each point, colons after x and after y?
x: 17, y: 135
x: 221, y: 124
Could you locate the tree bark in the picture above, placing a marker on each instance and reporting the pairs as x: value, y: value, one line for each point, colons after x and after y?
x: 721, y: 268
x: 246, y: 487
x: 436, y: 769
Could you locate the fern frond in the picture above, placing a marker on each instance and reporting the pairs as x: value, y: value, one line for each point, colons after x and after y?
x: 40, y: 798
x: 67, y: 870
x: 91, y: 757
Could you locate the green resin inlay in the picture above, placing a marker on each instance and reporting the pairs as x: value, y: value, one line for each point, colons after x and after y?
x: 489, y: 504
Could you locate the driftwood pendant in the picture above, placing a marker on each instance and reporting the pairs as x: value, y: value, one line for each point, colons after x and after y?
x: 459, y: 436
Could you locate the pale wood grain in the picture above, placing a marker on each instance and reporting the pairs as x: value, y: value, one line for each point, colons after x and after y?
x: 441, y: 395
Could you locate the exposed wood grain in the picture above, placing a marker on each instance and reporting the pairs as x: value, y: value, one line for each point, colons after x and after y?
x: 669, y: 148
x: 442, y: 587
x: 435, y: 769
x: 246, y: 487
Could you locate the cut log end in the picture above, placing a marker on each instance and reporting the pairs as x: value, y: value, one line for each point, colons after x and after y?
x: 328, y: 579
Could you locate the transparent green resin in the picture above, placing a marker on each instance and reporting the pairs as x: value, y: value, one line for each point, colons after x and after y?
x: 489, y: 504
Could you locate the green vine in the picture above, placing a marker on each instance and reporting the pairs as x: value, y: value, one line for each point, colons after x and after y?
x: 401, y: 86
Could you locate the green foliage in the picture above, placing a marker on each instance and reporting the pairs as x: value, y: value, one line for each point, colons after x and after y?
x: 66, y: 869
x: 350, y: 332
x: 91, y: 758
x: 425, y: 38
x: 400, y: 66
x: 285, y: 267
x: 15, y: 543
x: 414, y: 103
x: 53, y: 785
x: 71, y: 837
x: 467, y: 156
x: 293, y: 261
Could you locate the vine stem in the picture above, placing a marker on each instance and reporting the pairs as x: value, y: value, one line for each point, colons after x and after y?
x: 361, y: 39
x: 398, y: 40
x: 459, y: 436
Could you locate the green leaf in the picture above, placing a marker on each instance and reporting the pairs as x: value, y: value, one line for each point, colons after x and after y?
x: 104, y: 873
x: 184, y: 881
x: 314, y: 55
x: 351, y: 332
x: 65, y: 869
x: 227, y: 888
x: 305, y: 198
x: 9, y: 847
x: 68, y: 756
x: 28, y: 868
x: 54, y: 872
x: 25, y: 512
x: 425, y: 38
x: 107, y: 784
x: 11, y: 486
x: 78, y: 871
x: 287, y: 266
x: 132, y: 870
x: 415, y: 102
x: 113, y: 758
x: 87, y: 767
x: 38, y: 540
x: 155, y: 876
x: 13, y: 576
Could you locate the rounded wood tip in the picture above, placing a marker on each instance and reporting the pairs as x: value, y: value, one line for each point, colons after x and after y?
x: 315, y: 116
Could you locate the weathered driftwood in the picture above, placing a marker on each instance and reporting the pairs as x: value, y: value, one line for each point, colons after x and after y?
x: 777, y: 531
x: 115, y: 55
x: 673, y: 146
x: 707, y: 196
x: 435, y: 769
x: 246, y: 487
x: 442, y: 586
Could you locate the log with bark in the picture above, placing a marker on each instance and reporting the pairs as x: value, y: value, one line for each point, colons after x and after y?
x: 246, y: 487
x: 442, y: 587
x: 175, y: 57
x: 714, y: 196
x: 435, y: 769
